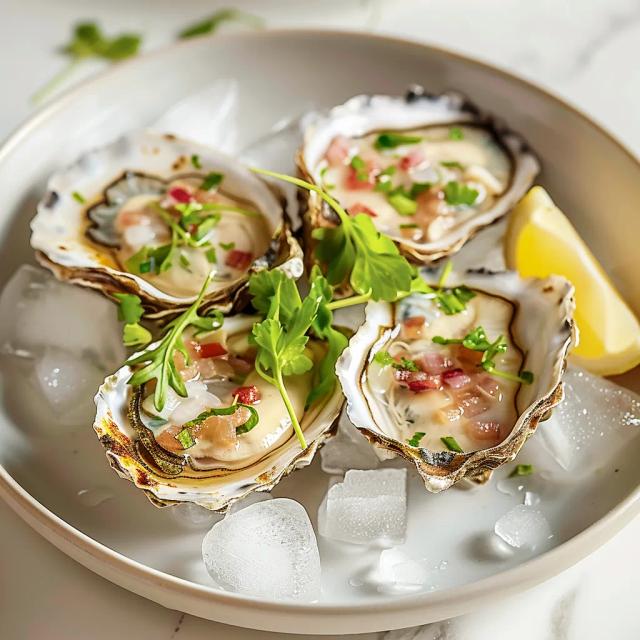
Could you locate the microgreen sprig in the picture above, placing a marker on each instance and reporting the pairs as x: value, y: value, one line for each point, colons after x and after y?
x: 209, y: 25
x: 159, y: 364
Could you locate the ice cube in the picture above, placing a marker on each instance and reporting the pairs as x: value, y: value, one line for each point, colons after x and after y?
x: 37, y: 311
x: 247, y: 501
x: 524, y: 526
x: 595, y: 412
x: 369, y: 506
x: 68, y: 383
x: 348, y: 449
x: 267, y: 549
x: 398, y: 570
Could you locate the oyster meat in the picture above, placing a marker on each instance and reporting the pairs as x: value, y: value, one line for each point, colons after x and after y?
x: 430, y: 170
x: 229, y: 436
x: 152, y: 215
x: 458, y: 388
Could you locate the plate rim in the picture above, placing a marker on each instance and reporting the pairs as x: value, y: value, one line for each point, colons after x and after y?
x: 199, y: 600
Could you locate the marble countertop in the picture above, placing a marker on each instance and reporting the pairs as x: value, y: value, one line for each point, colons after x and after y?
x: 583, y: 50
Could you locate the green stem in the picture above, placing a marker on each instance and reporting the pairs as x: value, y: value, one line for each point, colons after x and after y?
x: 349, y: 302
x: 212, y: 206
x: 292, y: 414
x: 446, y: 271
x: 41, y: 94
x: 342, y: 214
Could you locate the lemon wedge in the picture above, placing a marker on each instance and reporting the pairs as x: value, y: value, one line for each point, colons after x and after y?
x: 541, y: 241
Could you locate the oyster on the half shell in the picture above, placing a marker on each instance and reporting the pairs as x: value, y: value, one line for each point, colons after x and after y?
x: 459, y: 409
x: 152, y: 215
x: 229, y: 437
x: 430, y: 170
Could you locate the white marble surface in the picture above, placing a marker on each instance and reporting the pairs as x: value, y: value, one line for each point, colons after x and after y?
x: 584, y: 50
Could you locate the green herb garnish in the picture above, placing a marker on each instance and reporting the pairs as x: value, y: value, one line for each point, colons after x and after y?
x: 360, y: 167
x: 185, y: 438
x: 227, y: 246
x: 456, y: 193
x: 522, y: 470
x: 477, y: 340
x: 159, y: 362
x: 456, y: 133
x: 356, y: 252
x: 245, y: 427
x: 130, y: 312
x: 212, y: 181
x: 78, y: 197
x: 419, y: 187
x: 211, y: 255
x: 392, y: 140
x: 88, y: 41
x: 211, y: 24
x: 414, y: 441
x: 452, y: 164
x: 452, y: 444
x: 402, y: 203
x: 195, y: 161
x: 409, y: 225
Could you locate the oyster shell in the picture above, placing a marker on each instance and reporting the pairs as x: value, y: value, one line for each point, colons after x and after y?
x: 144, y: 446
x: 448, y: 393
x: 431, y: 170
x: 103, y: 224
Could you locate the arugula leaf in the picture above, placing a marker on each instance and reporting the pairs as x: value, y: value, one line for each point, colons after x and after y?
x: 211, y: 24
x: 88, y: 41
x: 452, y: 444
x: 456, y: 193
x: 158, y: 362
x: 390, y: 140
x: 325, y: 378
x: 414, y: 441
x: 522, y: 470
x: 356, y: 251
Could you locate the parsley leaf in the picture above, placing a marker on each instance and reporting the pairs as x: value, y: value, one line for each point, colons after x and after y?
x: 391, y: 140
x: 414, y: 441
x: 456, y: 193
x: 211, y: 24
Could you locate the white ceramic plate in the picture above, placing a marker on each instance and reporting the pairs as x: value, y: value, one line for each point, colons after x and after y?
x: 279, y: 75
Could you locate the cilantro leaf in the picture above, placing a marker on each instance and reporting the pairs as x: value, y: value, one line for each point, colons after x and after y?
x: 129, y: 308
x: 135, y: 335
x: 210, y: 25
x: 325, y: 378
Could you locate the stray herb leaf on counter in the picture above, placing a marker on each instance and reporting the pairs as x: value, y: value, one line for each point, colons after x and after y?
x: 88, y: 41
x: 210, y: 25
x: 522, y: 470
